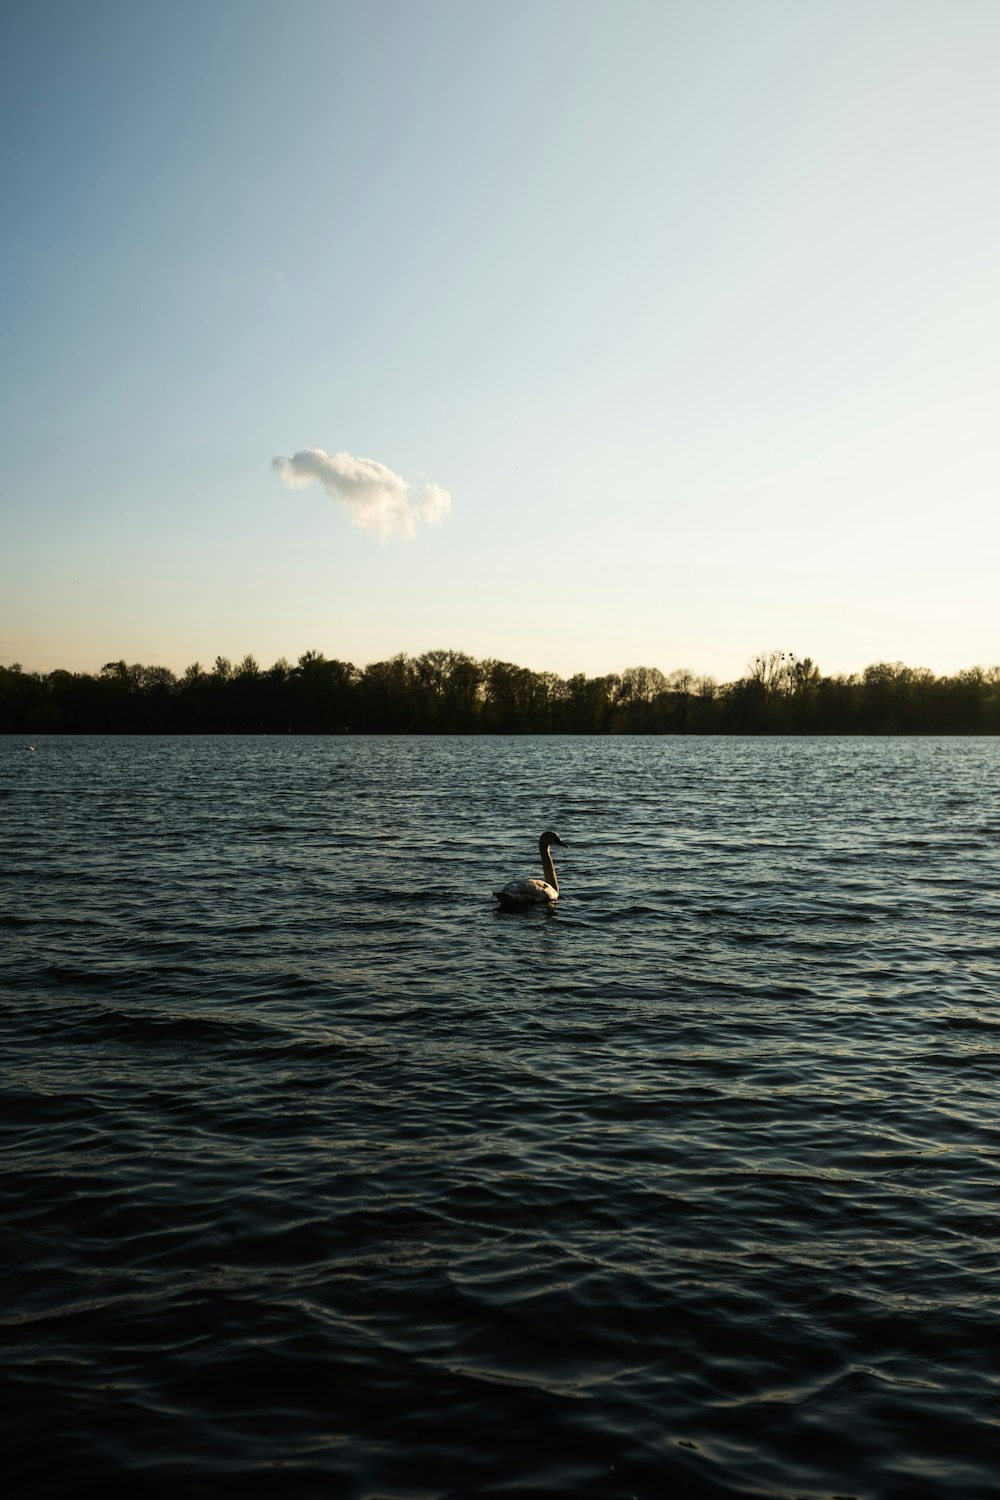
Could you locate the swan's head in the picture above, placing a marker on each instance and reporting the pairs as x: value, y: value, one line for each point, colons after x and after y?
x: 548, y: 839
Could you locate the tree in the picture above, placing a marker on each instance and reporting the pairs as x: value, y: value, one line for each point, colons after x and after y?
x: 322, y: 695
x: 639, y: 690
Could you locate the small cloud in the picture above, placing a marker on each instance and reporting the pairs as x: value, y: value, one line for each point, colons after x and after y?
x: 255, y: 281
x: 270, y: 274
x: 378, y: 499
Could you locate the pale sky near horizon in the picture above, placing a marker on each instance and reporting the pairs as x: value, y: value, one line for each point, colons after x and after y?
x: 690, y: 307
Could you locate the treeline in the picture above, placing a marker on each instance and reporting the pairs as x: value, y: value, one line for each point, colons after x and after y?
x: 447, y: 692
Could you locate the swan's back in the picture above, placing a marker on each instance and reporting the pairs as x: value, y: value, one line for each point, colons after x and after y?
x: 529, y: 892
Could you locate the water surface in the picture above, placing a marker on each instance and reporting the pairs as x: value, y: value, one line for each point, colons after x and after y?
x: 321, y: 1177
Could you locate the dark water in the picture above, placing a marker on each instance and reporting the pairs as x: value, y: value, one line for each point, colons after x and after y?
x: 321, y: 1178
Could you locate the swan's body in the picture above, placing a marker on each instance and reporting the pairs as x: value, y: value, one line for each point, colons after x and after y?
x: 517, y: 894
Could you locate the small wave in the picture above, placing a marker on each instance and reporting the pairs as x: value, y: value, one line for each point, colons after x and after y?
x: 90, y: 979
x: 140, y: 1027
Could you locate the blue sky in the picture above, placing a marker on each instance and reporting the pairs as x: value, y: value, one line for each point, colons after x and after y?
x: 692, y: 310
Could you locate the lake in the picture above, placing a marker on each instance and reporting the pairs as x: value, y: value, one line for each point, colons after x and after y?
x: 321, y: 1177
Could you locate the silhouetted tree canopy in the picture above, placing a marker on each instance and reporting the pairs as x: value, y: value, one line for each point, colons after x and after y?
x: 447, y: 692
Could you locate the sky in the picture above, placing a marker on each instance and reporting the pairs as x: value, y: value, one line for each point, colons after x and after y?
x: 581, y: 334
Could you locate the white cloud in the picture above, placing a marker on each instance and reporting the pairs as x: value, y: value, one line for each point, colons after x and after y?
x: 377, y: 499
x: 255, y: 281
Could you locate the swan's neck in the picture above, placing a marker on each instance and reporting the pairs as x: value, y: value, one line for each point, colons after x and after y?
x: 548, y: 867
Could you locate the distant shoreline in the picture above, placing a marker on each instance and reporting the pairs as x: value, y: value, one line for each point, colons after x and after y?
x: 449, y: 693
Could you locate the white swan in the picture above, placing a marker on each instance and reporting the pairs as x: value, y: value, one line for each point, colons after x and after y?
x: 517, y: 894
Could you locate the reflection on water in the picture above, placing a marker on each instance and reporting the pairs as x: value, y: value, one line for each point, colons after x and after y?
x: 321, y: 1178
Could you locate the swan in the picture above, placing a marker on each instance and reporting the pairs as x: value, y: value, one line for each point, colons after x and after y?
x: 517, y: 894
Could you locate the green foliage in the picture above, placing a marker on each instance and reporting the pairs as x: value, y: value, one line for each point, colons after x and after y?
x: 447, y: 692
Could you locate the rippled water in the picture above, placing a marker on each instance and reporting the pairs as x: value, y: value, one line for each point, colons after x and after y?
x: 321, y: 1177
